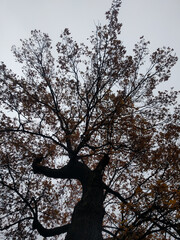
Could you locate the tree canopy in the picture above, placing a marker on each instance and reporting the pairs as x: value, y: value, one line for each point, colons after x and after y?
x: 89, y: 146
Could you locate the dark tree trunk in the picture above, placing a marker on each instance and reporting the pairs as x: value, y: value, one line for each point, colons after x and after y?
x: 89, y: 212
x: 87, y: 218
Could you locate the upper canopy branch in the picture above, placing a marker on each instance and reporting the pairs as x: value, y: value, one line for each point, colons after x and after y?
x: 23, y: 130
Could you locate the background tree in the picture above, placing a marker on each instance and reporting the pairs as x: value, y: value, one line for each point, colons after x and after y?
x: 88, y: 147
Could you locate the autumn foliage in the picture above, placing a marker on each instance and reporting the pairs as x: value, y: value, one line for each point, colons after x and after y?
x: 89, y: 143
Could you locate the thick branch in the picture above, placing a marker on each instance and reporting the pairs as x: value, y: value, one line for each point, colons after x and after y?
x: 49, y: 232
x: 103, y: 163
x: 73, y: 170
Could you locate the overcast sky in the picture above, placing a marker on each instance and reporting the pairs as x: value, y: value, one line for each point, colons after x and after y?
x: 157, y: 20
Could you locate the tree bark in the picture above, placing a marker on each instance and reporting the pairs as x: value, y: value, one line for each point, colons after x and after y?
x: 88, y: 214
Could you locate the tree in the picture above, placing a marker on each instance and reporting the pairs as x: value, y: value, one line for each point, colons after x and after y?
x: 89, y: 148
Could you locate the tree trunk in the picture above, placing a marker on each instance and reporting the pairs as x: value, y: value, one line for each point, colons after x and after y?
x: 88, y: 214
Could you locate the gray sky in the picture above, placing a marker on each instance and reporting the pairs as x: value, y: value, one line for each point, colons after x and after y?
x: 157, y: 20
